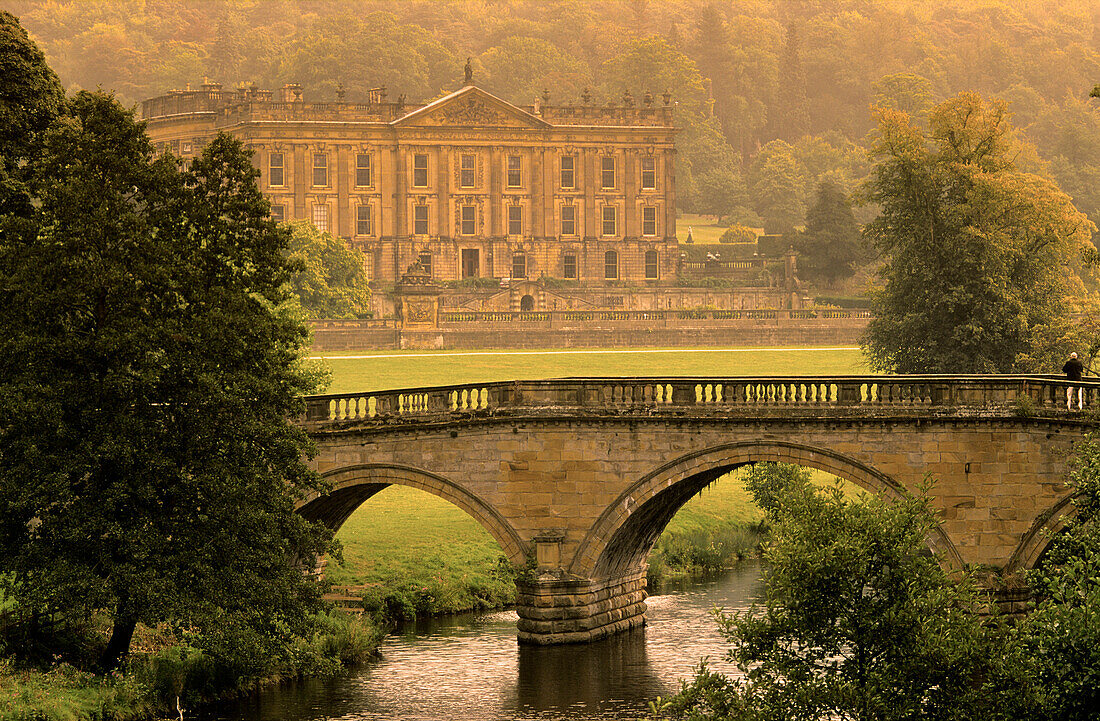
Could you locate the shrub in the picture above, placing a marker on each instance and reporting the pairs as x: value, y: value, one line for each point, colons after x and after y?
x: 738, y: 233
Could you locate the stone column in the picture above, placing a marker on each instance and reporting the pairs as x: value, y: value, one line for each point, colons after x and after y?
x: 303, y: 179
x: 400, y: 206
x: 590, y: 177
x: 535, y: 184
x: 443, y: 193
x: 496, y: 193
x: 669, y: 185
x: 631, y: 226
x: 551, y: 183
x: 343, y: 224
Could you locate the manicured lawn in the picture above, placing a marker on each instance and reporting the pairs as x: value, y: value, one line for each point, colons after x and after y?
x: 431, y: 553
x: 384, y: 370
x: 703, y: 229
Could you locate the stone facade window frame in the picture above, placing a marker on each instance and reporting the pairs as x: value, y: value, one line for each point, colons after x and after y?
x: 467, y: 222
x: 568, y: 175
x: 514, y: 172
x: 519, y: 265
x: 652, y: 265
x: 611, y: 265
x: 609, y: 220
x: 420, y: 170
x: 320, y: 170
x: 607, y: 172
x: 649, y: 220
x: 515, y: 220
x: 320, y: 217
x: 276, y: 171
x: 424, y: 257
x: 569, y: 265
x: 420, y: 219
x: 278, y: 212
x: 568, y: 224
x: 364, y: 219
x: 649, y: 173
x: 364, y: 170
x: 467, y: 174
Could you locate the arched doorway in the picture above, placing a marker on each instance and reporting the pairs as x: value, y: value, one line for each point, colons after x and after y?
x: 527, y: 303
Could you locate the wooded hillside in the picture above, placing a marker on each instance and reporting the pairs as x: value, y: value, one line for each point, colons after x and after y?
x: 773, y: 95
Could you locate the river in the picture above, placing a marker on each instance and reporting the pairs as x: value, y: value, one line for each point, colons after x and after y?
x: 469, y: 666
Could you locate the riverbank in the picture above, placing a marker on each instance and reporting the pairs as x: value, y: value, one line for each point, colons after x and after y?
x: 158, y: 682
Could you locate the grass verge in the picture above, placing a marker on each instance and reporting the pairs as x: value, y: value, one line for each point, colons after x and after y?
x: 177, y: 675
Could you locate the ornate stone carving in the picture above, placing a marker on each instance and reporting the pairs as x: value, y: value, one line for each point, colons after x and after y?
x: 472, y: 112
x: 418, y: 311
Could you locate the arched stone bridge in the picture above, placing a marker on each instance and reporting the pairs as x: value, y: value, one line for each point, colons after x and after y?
x: 583, y: 474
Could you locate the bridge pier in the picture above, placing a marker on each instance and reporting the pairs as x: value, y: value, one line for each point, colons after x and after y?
x: 576, y: 610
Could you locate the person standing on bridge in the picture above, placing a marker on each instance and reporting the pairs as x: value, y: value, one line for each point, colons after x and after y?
x: 1073, y: 370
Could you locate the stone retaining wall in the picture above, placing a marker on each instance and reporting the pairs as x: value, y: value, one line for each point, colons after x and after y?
x: 329, y: 337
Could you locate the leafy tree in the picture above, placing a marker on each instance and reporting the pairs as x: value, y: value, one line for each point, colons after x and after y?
x: 777, y: 182
x: 650, y: 63
x: 30, y: 98
x: 977, y: 250
x: 329, y: 281
x: 831, y: 157
x: 1060, y: 639
x: 702, y: 150
x: 150, y: 364
x: 769, y: 482
x: 905, y: 92
x: 720, y: 193
x: 31, y: 95
x: 790, y: 119
x: 830, y: 246
x: 520, y: 68
x: 859, y: 622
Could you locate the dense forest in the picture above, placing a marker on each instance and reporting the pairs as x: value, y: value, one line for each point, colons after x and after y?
x: 773, y: 96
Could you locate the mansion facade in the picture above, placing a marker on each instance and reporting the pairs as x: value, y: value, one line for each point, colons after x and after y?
x: 469, y: 186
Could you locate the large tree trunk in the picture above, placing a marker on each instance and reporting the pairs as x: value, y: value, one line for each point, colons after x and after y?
x: 121, y: 634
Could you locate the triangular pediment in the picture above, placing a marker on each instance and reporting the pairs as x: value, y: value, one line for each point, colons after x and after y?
x: 471, y: 106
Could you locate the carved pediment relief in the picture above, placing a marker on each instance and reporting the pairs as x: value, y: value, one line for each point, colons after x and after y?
x: 471, y: 106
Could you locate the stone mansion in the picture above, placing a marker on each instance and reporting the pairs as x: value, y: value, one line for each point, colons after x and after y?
x: 469, y: 185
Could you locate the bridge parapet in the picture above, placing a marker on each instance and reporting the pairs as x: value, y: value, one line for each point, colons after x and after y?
x: 926, y: 395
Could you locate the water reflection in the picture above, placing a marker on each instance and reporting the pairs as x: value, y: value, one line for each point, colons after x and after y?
x: 558, y: 678
x: 470, y: 667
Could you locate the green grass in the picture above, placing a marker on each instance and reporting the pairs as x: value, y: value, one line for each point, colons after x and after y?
x: 703, y: 229
x: 66, y: 694
x: 386, y: 371
x: 419, y: 553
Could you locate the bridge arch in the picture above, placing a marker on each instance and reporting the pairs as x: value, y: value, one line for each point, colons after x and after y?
x: 353, y: 485
x: 627, y: 529
x: 1038, y: 538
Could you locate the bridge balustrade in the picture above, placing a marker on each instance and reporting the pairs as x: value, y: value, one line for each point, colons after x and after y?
x: 965, y: 394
